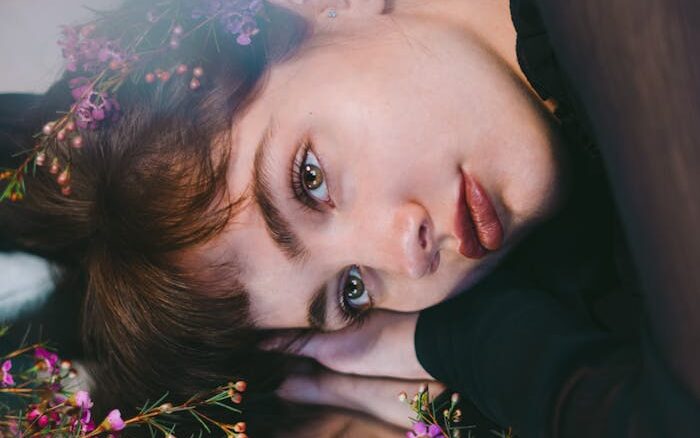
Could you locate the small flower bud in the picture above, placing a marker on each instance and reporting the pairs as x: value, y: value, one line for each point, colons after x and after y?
x: 66, y: 191
x: 66, y: 365
x: 455, y: 398
x: 48, y: 128
x: 194, y: 84
x: 198, y: 72
x: 403, y: 397
x: 54, y: 166
x: 150, y: 78
x: 43, y: 421
x: 166, y: 408
x: 239, y: 427
x: 77, y: 142
x: 164, y: 76
x: 33, y: 414
x: 72, y: 374
x: 236, y: 398
x: 174, y: 43
x: 181, y: 69
x: 422, y: 388
x: 70, y: 126
x: 61, y: 135
x: 115, y: 65
x: 40, y: 158
x: 177, y: 30
x: 240, y: 386
x: 241, y: 435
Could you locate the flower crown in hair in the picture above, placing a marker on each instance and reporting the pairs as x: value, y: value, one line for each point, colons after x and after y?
x: 101, y: 66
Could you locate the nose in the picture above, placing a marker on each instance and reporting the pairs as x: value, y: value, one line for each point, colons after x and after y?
x: 412, y: 239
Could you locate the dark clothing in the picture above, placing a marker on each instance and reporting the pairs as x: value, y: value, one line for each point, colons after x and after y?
x: 557, y: 342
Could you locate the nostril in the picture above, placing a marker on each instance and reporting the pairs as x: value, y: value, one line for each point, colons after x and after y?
x: 423, y: 235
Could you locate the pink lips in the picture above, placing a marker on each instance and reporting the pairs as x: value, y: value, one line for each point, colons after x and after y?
x: 476, y: 224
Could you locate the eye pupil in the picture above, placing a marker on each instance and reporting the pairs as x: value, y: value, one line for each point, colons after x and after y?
x: 354, y: 288
x: 312, y: 176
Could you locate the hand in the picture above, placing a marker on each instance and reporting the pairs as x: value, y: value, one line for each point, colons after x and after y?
x: 382, y: 346
x: 377, y: 397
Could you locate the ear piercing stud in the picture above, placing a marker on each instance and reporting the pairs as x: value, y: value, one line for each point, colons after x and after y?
x: 332, y: 13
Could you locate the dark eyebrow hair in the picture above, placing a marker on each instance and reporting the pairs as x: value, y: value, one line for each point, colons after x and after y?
x: 316, y: 314
x: 277, y: 225
x: 280, y: 230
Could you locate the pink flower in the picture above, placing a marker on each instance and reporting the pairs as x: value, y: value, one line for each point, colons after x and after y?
x: 421, y: 430
x: 48, y: 359
x: 6, y: 378
x: 84, y: 423
x: 114, y: 421
x: 33, y: 414
x: 81, y: 399
x: 43, y: 421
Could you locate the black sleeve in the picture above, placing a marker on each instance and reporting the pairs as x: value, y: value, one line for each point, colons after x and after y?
x: 524, y: 357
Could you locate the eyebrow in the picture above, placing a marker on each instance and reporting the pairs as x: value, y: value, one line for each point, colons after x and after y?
x: 316, y: 313
x: 278, y: 227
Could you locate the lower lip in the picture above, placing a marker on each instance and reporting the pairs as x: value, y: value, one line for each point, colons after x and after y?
x: 478, y: 228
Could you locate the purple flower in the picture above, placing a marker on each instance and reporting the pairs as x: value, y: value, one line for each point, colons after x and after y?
x: 422, y: 430
x: 46, y: 358
x: 81, y: 399
x: 237, y: 17
x: 84, y: 423
x: 114, y: 421
x: 93, y: 108
x: 6, y: 377
x: 82, y: 51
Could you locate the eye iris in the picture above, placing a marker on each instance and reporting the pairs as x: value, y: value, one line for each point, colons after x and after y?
x: 312, y: 176
x: 354, y: 288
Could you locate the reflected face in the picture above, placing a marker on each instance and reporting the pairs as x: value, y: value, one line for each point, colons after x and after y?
x: 354, y: 157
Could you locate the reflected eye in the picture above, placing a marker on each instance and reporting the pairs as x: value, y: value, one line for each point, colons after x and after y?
x: 355, y: 297
x: 312, y: 178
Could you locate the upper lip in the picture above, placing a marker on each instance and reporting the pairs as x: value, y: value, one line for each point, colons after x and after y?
x: 477, y: 226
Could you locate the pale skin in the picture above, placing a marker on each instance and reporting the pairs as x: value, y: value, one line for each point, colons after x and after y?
x: 391, y: 103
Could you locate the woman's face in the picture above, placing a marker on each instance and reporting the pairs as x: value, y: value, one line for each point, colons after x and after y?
x: 354, y: 157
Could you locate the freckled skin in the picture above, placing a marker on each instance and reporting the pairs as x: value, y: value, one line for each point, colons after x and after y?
x: 396, y: 107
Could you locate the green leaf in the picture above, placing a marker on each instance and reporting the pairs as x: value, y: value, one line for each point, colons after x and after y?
x: 230, y: 408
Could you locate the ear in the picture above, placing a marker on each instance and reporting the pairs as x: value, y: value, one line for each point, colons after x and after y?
x: 318, y: 10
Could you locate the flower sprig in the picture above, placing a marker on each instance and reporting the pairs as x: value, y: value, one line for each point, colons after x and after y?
x: 444, y: 420
x: 100, y: 66
x: 41, y: 403
x: 426, y: 423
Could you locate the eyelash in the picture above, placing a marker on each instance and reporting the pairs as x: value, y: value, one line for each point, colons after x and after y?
x: 300, y: 194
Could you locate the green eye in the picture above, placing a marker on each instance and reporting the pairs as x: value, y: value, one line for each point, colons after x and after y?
x: 355, y: 295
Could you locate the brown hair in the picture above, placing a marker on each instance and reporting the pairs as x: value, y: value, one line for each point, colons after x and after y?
x: 146, y: 189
